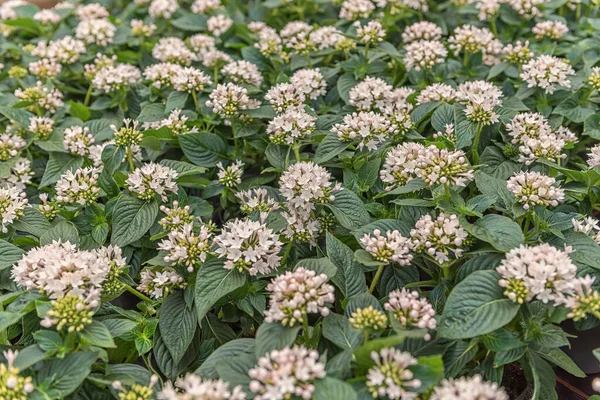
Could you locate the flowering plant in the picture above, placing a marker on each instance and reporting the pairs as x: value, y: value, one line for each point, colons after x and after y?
x: 296, y: 199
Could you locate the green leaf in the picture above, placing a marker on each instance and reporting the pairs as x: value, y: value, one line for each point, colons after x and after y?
x: 458, y: 356
x: 344, y: 84
x: 277, y: 155
x: 32, y: 222
x: 29, y: 356
x: 97, y: 334
x: 571, y: 109
x: 349, y: 209
x: 319, y: 265
x: 213, y: 281
x: 330, y: 388
x: 58, y: 164
x: 476, y: 306
x: 338, y: 330
x: 363, y: 354
x: 183, y: 168
x: 78, y: 110
x: 560, y: 359
x: 177, y: 324
x: 64, y: 231
x: 132, y: 218
x: 152, y: 113
x: 501, y: 232
x: 235, y: 370
x: 112, y: 157
x: 587, y: 251
x: 63, y: 376
x: 176, y: 100
x: 16, y: 114
x: 329, y: 147
x: 8, y: 318
x: 191, y: 22
x: 544, y: 379
x: 9, y: 254
x: 349, y: 278
x: 491, y: 186
x: 442, y: 116
x: 501, y: 340
x: 411, y: 186
x: 274, y: 336
x: 203, y: 148
x: 229, y: 350
x: 368, y: 174
x: 429, y: 371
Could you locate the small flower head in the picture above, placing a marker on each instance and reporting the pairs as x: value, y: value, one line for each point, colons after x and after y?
x: 371, y: 33
x: 365, y: 129
x: 291, y: 126
x: 175, y: 218
x: 12, y: 204
x: 303, y: 184
x: 96, y: 31
x: 229, y: 99
x: 284, y: 96
x: 372, y: 94
x: 480, y: 99
x: 13, y: 386
x: 423, y: 30
x: 45, y: 68
x: 190, y: 79
x: 185, y: 247
x: 116, y: 78
x: 243, y: 72
x: 439, y: 237
x: 593, y: 160
x: 137, y: 391
x: 41, y: 97
x: 205, y: 6
x: 78, y: 140
x: 193, y: 387
x: 549, y: 29
x: 548, y: 73
x: 310, y: 82
x: 10, y: 145
x: 161, y: 75
x: 369, y: 318
x: 128, y: 135
x: 411, y: 310
x: 232, y: 175
x: 356, y: 9
x: 391, y: 247
x: 400, y: 164
x: 424, y: 54
x: 391, y: 376
x: 163, y: 8
x: 158, y: 284
x: 585, y: 300
x: 173, y: 50
x: 219, y: 24
x: 152, y: 179
x: 518, y: 54
x: 437, y: 92
x: 79, y: 187
x: 446, y: 167
x: 256, y: 200
x: 471, y: 388
x: 65, y: 51
x: 70, y: 312
x: 139, y: 28
x: 91, y: 11
x: 594, y: 78
x: 532, y: 188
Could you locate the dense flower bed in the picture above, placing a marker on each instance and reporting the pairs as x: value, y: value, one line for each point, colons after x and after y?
x: 296, y: 199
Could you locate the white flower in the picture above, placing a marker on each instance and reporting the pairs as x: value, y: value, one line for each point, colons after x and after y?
x: 440, y: 237
x: 356, y: 9
x: 585, y: 300
x: 98, y: 31
x: 177, y: 123
x: 593, y: 160
x: 159, y: 284
x: 205, y: 6
x: 175, y: 218
x: 173, y: 50
x: 152, y: 179
x: 190, y: 79
x: 229, y: 99
x: 243, y: 72
x: 256, y: 200
x: 470, y: 39
x: 519, y: 53
x: 468, y: 388
x: 284, y: 373
x: 91, y: 11
x: 488, y: 8
x: 46, y: 17
x: 391, y: 247
x: 232, y: 175
x: 12, y: 203
x: 365, y: 129
x: 65, y: 51
x: 162, y: 74
x: 326, y: 37
x: 269, y: 42
x: 480, y: 99
x: 193, y: 387
x: 589, y: 225
x: 411, y: 310
x: 424, y: 54
x: 532, y: 188
x: 547, y: 72
x: 214, y: 58
x: 19, y: 176
x: 423, y: 30
x: 550, y: 29
x: 114, y: 78
x: 80, y: 187
x: 391, y: 376
x: 303, y: 184
x: 14, y: 386
x: 443, y: 166
x: 219, y: 24
x: 310, y: 82
x: 185, y: 247
x: 45, y: 68
x: 401, y: 164
x: 302, y: 225
x: 372, y: 32
x: 42, y: 97
x: 291, y: 126
x: 528, y: 126
x: 284, y: 96
x: 7, y: 8
x: 100, y: 62
x: 139, y: 28
x: 542, y: 272
x: 372, y: 94
x: 436, y: 92
x: 78, y: 140
x: 163, y: 8
x: 249, y: 245
x: 202, y: 43
x: 296, y: 294
x: 594, y: 78
x: 10, y: 145
x: 526, y: 8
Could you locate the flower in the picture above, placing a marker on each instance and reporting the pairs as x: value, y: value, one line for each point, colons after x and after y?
x: 70, y: 311
x: 229, y: 99
x: 296, y: 294
x: 547, y: 72
x: 152, y: 179
x: 436, y: 92
x: 356, y: 9
x: 190, y: 80
x: 391, y: 376
x: 533, y: 188
x: 470, y: 39
x: 45, y: 68
x: 78, y: 139
x: 284, y: 373
x: 10, y: 145
x: 80, y: 187
x: 542, y: 272
x: 528, y: 126
x: 14, y: 386
x: 442, y: 166
x: 284, y: 96
x: 163, y: 8
x: 162, y: 74
x: 173, y: 50
x: 585, y: 299
x: 117, y: 77
x: 422, y: 30
x: 19, y: 176
x: 371, y: 33
x: 303, y: 184
x: 256, y: 200
x: 112, y: 285
x: 158, y: 284
x: 96, y: 31
x: 439, y: 237
x: 46, y: 17
x: 519, y: 53
x: 593, y: 160
x: 243, y: 72
x: 400, y: 164
x: 594, y: 78
x: 393, y: 247
x: 488, y: 8
x: 424, y: 54
x: 368, y: 318
x: 136, y: 391
x: 526, y: 8
x: 205, y: 6
x: 193, y: 387
x: 310, y: 82
x: 549, y: 29
x: 366, y: 129
x: 411, y: 310
x: 175, y: 218
x: 202, y: 43
x: 249, y: 245
x: 91, y: 11
x: 41, y: 97
x: 176, y: 122
x: 12, y: 204
x: 326, y: 37
x: 468, y: 388
x: 100, y: 62
x: 480, y: 99
x: 139, y: 28
x: 291, y: 126
x: 219, y: 24
x: 65, y: 51
x: 232, y: 175
x: 372, y: 94
x: 184, y: 247
x: 269, y: 42
x: 215, y: 58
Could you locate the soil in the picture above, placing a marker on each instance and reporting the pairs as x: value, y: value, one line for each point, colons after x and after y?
x: 513, y: 380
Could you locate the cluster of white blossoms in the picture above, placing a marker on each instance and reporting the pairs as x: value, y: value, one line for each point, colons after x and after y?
x: 12, y: 203
x: 176, y: 217
x: 85, y: 12
x: 369, y: 319
x: 243, y: 72
x: 41, y: 97
x: 442, y: 166
x: 391, y: 247
x: 185, y: 247
x: 193, y: 387
x: 46, y: 17
x: 78, y: 139
x: 205, y: 6
x: 468, y: 388
x: 219, y: 24
x: 365, y: 129
x: 100, y: 61
x: 547, y: 72
x: 356, y: 9
x: 391, y: 376
x: 79, y: 187
x: 285, y: 96
x: 436, y: 92
x: 589, y: 225
x: 424, y: 54
x: 372, y: 94
x: 422, y: 30
x: 532, y: 188
x: 173, y: 50
x: 162, y: 8
x: 14, y: 385
x: 161, y: 75
x: 310, y: 82
x: 542, y: 272
x: 215, y: 58
x: 593, y: 159
x: 45, y: 68
x: 594, y: 78
x: 65, y: 51
x: 411, y: 310
x: 291, y: 126
x: 296, y: 294
x: 488, y: 9
x: 469, y: 39
x: 19, y: 176
x: 152, y: 179
x: 325, y: 37
x: 116, y: 77
x: 176, y: 122
x: 42, y: 126
x: 249, y: 246
x: 518, y: 53
x: 584, y: 299
x: 190, y: 79
x: 284, y: 373
x: 439, y: 237
x: 231, y: 175
x: 550, y: 29
x: 139, y: 28
x: 256, y: 200
x: 372, y: 32
x: 10, y: 145
x: 158, y: 284
x: 526, y: 8
x: 96, y: 31
x: 400, y: 164
x: 228, y: 100
x: 480, y: 98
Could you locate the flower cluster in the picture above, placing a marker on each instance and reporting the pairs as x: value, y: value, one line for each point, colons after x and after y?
x: 391, y: 376
x: 291, y: 126
x: 473, y: 388
x: 152, y: 180
x: 439, y: 237
x: 480, y: 99
x: 391, y: 247
x: 548, y: 73
x: 185, y: 247
x: 193, y: 387
x: 12, y: 204
x: 256, y: 200
x: 232, y: 175
x: 158, y: 284
x: 411, y: 310
x: 13, y: 385
x: 369, y: 318
x: 533, y: 188
x: 79, y: 187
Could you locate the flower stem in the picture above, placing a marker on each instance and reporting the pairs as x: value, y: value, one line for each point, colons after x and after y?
x: 493, y: 26
x: 137, y: 294
x: 130, y: 159
x: 88, y: 96
x: 376, y: 278
x: 195, y: 97
x: 305, y: 329
x: 287, y: 252
x: 297, y: 152
x: 476, y: 144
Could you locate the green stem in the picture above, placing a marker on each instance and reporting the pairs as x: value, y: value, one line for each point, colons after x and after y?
x: 216, y: 75
x: 305, y: 329
x: 137, y: 294
x: 376, y: 278
x: 493, y: 26
x: 130, y: 159
x: 448, y: 194
x: 88, y: 96
x: 287, y: 252
x: 446, y: 272
x: 195, y: 97
x: 367, y: 51
x: 527, y: 222
x: 466, y: 59
x: 297, y: 152
x: 476, y: 144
